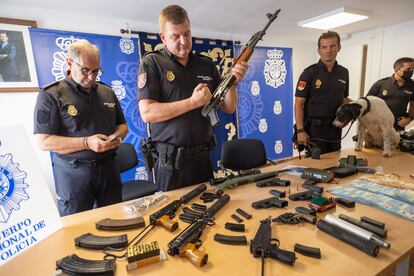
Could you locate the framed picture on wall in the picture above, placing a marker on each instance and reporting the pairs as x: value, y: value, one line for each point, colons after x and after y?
x: 17, y: 67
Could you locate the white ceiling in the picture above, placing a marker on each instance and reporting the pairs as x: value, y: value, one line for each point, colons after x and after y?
x: 238, y: 18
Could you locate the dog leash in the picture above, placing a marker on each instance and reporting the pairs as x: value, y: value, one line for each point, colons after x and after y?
x: 336, y: 141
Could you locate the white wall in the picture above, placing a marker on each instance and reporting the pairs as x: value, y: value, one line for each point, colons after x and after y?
x: 385, y: 45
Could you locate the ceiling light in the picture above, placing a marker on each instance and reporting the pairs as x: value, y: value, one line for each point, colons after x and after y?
x: 333, y: 19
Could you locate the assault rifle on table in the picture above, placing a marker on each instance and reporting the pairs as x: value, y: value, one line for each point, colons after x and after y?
x: 236, y: 181
x: 186, y: 244
x: 162, y: 217
x: 263, y: 245
x: 229, y: 80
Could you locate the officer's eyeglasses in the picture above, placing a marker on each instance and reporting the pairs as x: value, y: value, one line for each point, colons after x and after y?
x: 86, y: 71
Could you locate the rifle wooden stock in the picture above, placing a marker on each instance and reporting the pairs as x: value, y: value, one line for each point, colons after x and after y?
x: 167, y: 223
x: 195, y: 256
x: 245, y: 55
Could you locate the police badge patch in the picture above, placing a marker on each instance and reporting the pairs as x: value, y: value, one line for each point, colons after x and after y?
x: 170, y: 75
x: 142, y: 80
x: 72, y: 111
x: 318, y: 83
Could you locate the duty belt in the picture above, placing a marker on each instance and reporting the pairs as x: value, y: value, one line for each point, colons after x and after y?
x: 190, y: 150
x: 171, y: 156
x: 91, y: 163
x: 194, y: 149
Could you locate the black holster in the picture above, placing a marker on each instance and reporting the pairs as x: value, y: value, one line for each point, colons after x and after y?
x: 149, y: 153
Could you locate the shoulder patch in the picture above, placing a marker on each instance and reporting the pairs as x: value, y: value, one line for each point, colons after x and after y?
x: 301, y: 85
x: 142, y: 80
x: 47, y: 86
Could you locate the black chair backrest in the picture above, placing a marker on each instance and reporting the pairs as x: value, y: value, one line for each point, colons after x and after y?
x: 126, y: 157
x: 243, y: 154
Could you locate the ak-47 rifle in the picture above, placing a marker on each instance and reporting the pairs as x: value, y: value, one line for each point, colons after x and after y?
x: 229, y: 80
x: 186, y: 244
x: 263, y: 245
x: 162, y: 217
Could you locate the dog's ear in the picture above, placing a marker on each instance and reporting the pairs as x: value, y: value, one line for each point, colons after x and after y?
x: 356, y: 110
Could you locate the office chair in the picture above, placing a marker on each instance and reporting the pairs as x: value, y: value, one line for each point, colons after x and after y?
x: 127, y: 159
x: 243, y: 154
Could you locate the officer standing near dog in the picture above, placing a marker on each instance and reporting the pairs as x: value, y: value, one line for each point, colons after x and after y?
x: 321, y: 89
x: 398, y: 91
x: 81, y: 121
x: 174, y: 84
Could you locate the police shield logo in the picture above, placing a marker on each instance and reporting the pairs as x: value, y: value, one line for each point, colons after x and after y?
x: 12, y: 186
x: 142, y: 80
x: 263, y: 126
x: 170, y: 76
x: 72, y: 111
x: 278, y: 147
x: 255, y: 88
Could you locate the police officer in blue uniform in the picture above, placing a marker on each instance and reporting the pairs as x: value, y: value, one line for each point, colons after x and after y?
x: 174, y: 84
x: 82, y: 122
x: 321, y: 89
x: 398, y: 91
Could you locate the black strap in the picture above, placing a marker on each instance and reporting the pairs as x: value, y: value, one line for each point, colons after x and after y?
x: 368, y: 106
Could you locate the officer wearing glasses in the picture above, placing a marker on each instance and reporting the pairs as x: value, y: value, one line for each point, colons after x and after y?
x: 81, y: 121
x: 398, y: 91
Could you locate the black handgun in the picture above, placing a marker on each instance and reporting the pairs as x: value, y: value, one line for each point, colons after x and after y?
x: 273, y: 182
x: 270, y: 202
x: 305, y: 195
x: 263, y: 246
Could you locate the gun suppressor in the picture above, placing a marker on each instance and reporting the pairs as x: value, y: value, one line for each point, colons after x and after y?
x: 356, y: 230
x: 382, y: 233
x: 367, y: 246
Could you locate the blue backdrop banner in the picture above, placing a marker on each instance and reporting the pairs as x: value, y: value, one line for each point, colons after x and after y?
x: 221, y: 52
x: 119, y: 62
x: 265, y: 108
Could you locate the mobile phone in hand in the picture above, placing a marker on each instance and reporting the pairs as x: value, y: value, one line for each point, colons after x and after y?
x: 116, y: 137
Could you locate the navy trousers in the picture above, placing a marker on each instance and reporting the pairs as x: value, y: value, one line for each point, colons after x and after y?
x: 83, y: 186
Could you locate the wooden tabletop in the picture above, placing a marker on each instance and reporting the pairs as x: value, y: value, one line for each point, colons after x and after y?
x: 338, y: 258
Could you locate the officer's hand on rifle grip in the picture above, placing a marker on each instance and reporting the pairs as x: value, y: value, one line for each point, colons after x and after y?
x: 239, y: 70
